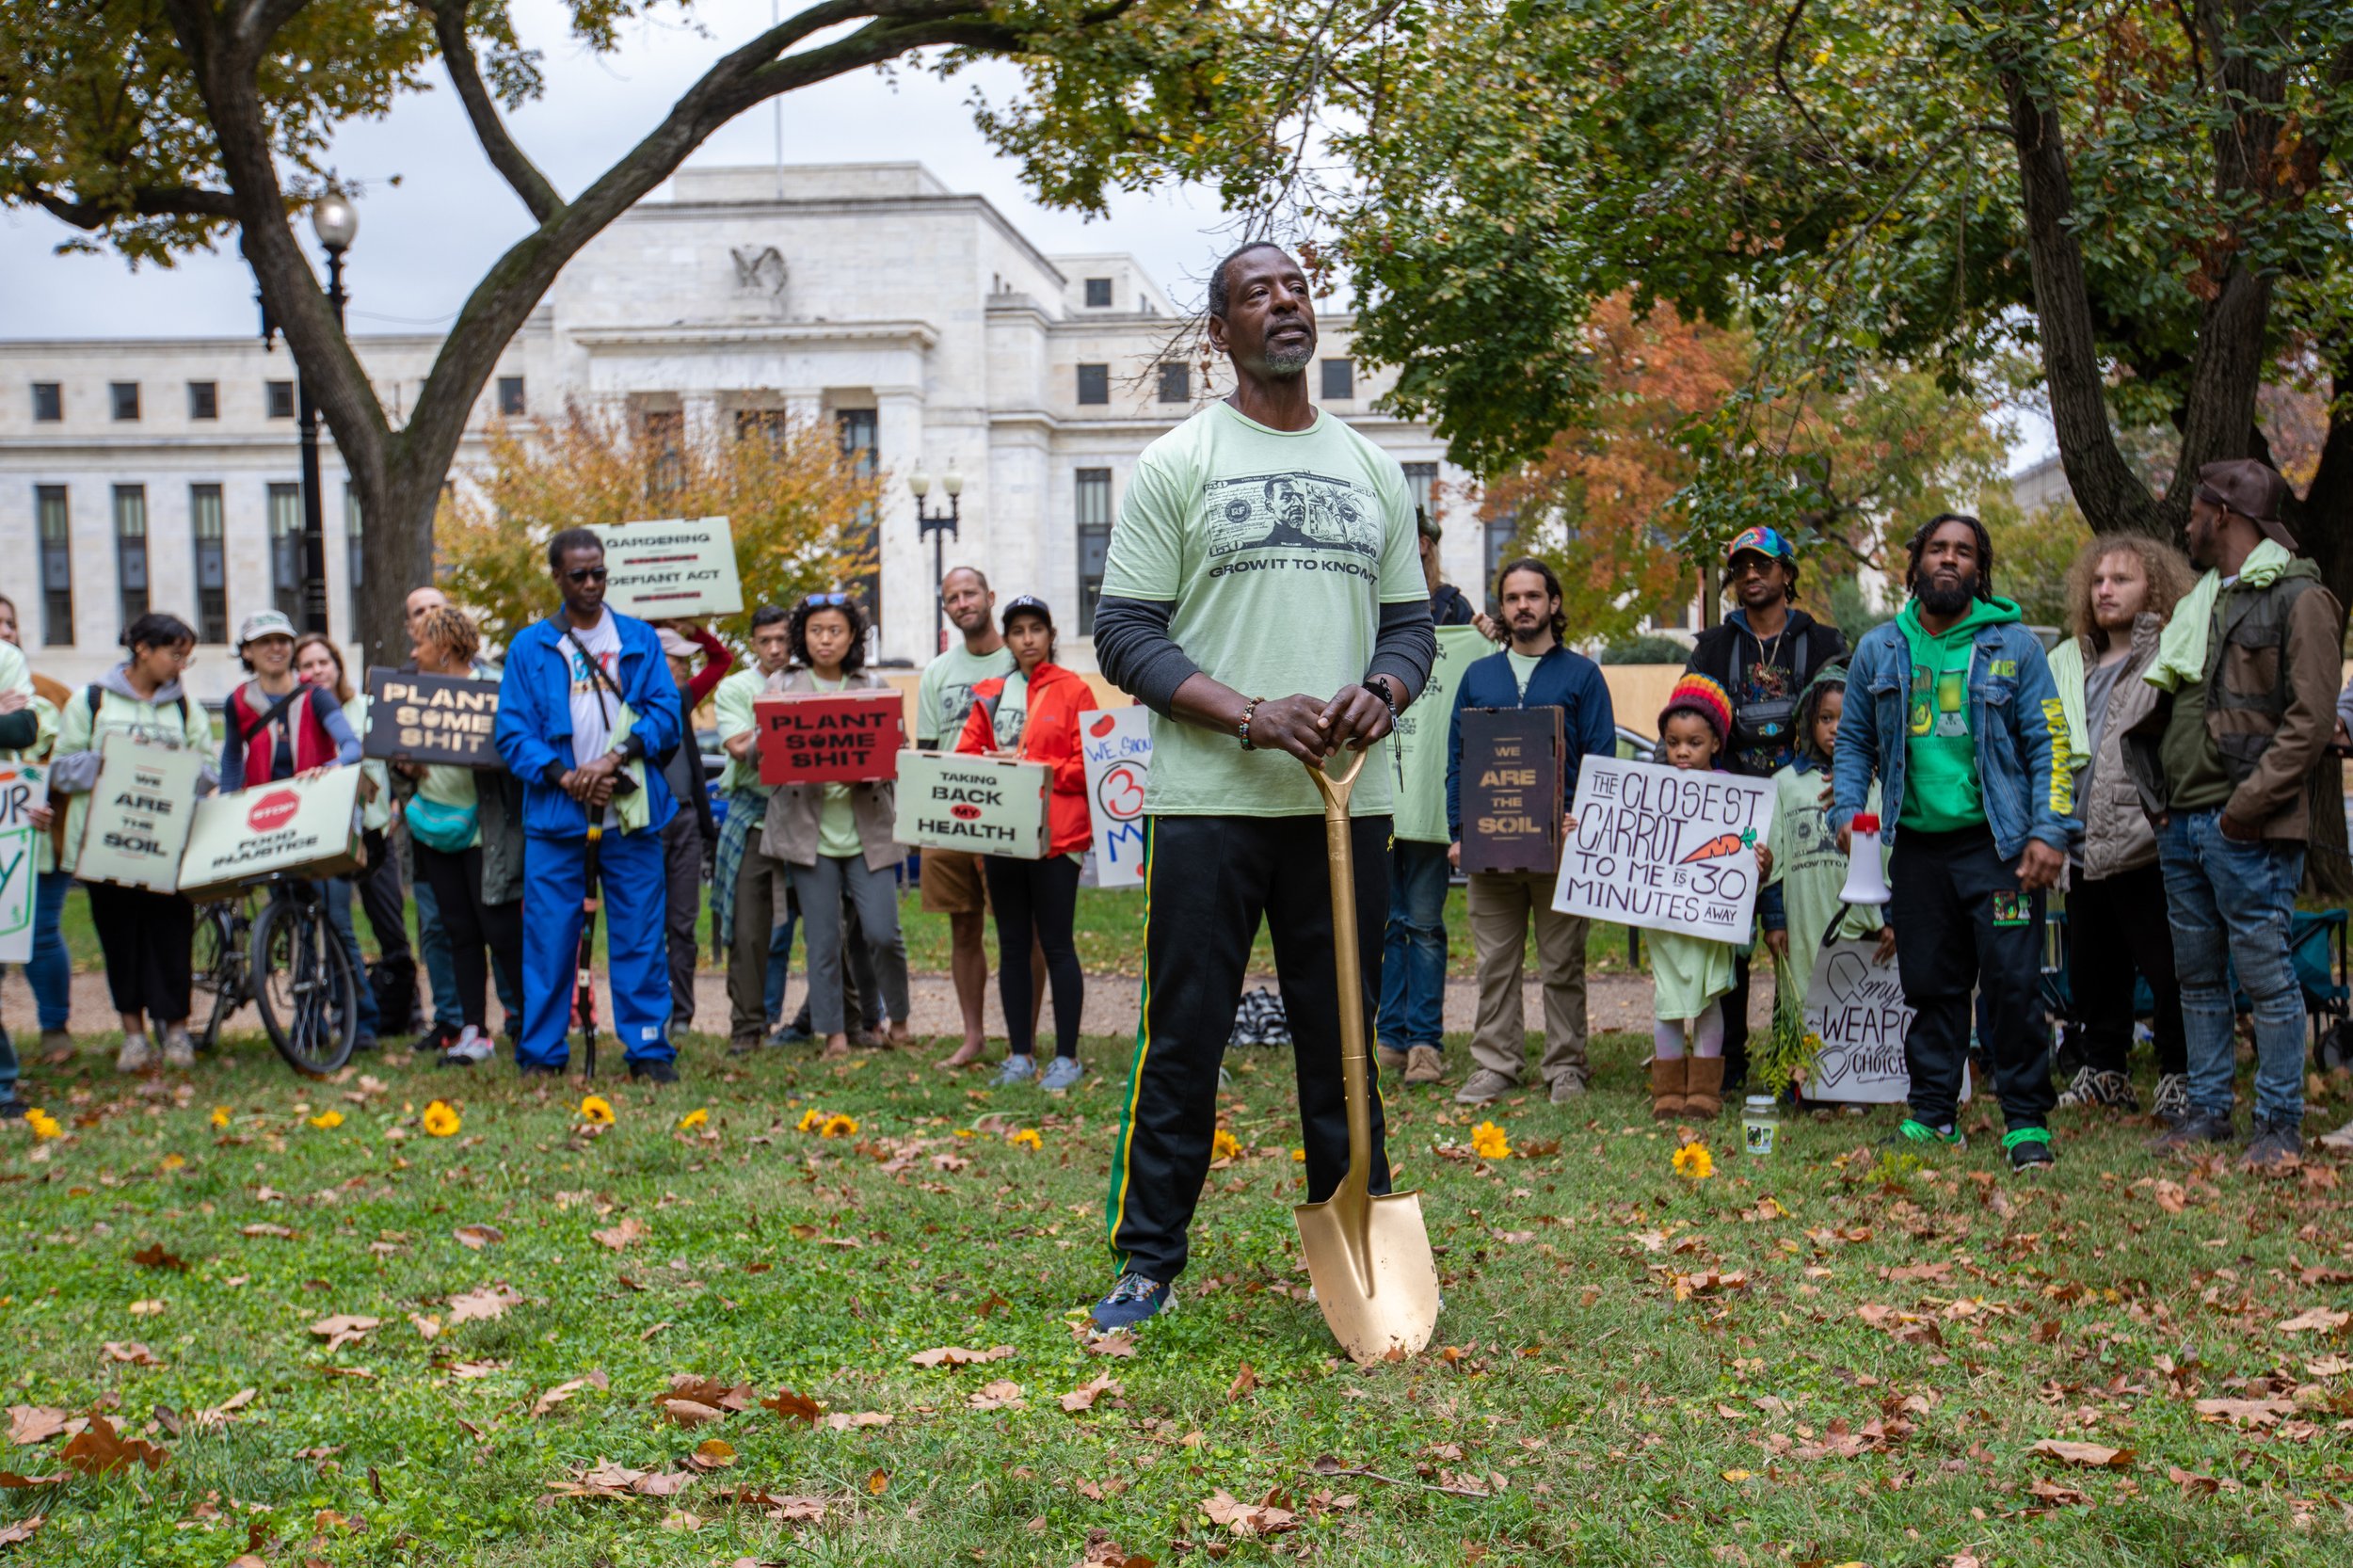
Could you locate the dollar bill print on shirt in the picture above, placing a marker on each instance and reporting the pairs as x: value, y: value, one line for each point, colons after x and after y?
x: 1292, y: 510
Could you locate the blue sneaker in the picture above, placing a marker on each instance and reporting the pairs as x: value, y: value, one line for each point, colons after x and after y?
x: 1016, y: 1069
x: 1131, y: 1301
x: 1062, y: 1073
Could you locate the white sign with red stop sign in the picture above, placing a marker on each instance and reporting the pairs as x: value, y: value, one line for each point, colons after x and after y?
x: 300, y: 828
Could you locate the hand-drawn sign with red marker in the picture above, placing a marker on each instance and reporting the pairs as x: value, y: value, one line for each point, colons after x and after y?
x: 1120, y: 792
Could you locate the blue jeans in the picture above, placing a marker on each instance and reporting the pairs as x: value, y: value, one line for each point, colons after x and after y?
x: 2229, y: 904
x: 339, y: 892
x: 440, y: 968
x: 1413, y: 950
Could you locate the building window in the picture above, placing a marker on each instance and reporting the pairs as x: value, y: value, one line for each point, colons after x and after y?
x: 280, y: 397
x: 355, y: 570
x: 1176, y: 383
x: 1421, y: 485
x: 57, y: 564
x: 131, y: 550
x: 204, y: 400
x: 124, y: 398
x: 212, y: 563
x: 663, y: 433
x: 860, y: 443
x: 1501, y: 533
x: 1099, y: 293
x: 48, y: 403
x: 1094, y: 491
x: 771, y: 423
x: 1095, y: 384
x: 510, y: 397
x: 1339, y: 380
x: 286, y: 551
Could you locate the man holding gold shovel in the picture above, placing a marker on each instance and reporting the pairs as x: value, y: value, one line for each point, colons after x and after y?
x: 1264, y: 597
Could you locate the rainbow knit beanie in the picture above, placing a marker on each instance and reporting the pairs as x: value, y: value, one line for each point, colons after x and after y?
x: 1705, y: 697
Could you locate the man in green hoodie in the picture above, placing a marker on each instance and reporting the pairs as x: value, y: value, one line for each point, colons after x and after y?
x: 1952, y: 708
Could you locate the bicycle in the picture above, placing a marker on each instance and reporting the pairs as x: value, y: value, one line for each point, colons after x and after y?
x: 287, y: 960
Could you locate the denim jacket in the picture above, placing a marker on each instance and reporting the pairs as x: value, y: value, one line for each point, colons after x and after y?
x: 2014, y: 714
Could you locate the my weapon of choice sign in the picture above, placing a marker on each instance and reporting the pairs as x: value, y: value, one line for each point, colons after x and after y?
x: 1667, y: 848
x: 432, y: 718
x: 830, y: 736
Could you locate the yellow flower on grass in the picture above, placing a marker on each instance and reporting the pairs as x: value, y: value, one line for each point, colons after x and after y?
x: 220, y: 1115
x: 1299, y: 1157
x: 1489, y: 1141
x: 811, y: 1120
x: 693, y: 1119
x: 442, y: 1119
x: 174, y: 1162
x: 1693, y: 1162
x: 328, y: 1120
x: 42, y: 1124
x: 1224, y: 1145
x: 1027, y: 1138
x: 839, y: 1126
x: 596, y: 1111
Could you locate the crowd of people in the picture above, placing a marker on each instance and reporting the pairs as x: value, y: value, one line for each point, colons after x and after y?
x: 1273, y: 596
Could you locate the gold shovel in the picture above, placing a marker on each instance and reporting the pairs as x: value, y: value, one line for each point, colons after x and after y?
x: 1369, y: 1257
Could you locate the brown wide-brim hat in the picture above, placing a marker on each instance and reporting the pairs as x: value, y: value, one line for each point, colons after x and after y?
x: 2253, y: 489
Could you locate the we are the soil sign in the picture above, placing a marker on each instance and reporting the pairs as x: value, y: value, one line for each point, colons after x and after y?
x: 1671, y: 849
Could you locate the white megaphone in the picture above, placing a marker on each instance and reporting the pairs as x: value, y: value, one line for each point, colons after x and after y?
x: 1867, y: 880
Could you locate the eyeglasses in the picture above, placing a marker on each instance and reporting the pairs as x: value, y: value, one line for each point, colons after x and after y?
x: 586, y: 574
x: 822, y: 599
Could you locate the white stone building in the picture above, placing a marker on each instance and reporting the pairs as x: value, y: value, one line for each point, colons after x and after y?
x: 164, y: 473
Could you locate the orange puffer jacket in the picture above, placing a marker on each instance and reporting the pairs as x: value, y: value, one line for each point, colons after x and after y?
x: 1049, y: 735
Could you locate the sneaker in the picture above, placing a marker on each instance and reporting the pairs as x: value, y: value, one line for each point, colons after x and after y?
x: 1015, y: 1069
x: 1484, y: 1085
x: 2029, y: 1148
x: 136, y: 1055
x: 1134, y: 1300
x: 660, y: 1069
x: 2094, y: 1087
x: 470, y: 1050
x: 1424, y: 1064
x: 1393, y: 1059
x: 2341, y: 1139
x: 543, y: 1069
x: 1061, y: 1074
x: 365, y: 1040
x: 2198, y: 1127
x: 2274, y: 1142
x: 440, y: 1037
x: 2170, y: 1104
x: 12, y: 1107
x: 791, y: 1034
x: 745, y: 1045
x: 1915, y: 1134
x: 179, y: 1050
x: 1567, y: 1087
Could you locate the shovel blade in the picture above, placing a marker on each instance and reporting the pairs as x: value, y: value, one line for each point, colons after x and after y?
x: 1395, y: 1319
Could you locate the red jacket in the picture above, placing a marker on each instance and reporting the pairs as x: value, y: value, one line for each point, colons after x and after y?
x: 1050, y: 735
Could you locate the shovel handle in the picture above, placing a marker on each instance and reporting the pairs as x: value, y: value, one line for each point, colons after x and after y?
x: 1354, y: 1070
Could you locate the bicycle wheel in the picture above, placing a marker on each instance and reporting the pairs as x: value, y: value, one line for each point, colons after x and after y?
x: 217, y: 960
x: 302, y: 982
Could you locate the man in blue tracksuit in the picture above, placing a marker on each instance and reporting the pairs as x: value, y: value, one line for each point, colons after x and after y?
x: 1953, y: 708
x: 1533, y: 670
x: 587, y: 716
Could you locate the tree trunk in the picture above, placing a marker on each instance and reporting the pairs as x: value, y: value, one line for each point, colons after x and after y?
x: 397, y: 529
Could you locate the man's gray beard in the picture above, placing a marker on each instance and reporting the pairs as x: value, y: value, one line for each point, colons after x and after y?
x: 1284, y: 361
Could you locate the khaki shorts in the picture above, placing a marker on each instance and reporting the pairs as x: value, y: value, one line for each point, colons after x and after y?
x: 953, y: 884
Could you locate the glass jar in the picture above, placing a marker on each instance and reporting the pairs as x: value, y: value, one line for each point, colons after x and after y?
x: 1760, y: 1119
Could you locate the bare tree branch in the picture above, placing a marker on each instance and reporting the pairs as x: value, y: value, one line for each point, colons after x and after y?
x: 154, y: 201
x: 465, y: 74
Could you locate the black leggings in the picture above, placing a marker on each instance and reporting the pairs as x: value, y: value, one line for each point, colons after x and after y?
x: 146, y: 938
x: 457, y: 884
x: 1040, y: 896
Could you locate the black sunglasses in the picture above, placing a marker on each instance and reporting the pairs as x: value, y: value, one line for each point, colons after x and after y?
x: 586, y: 574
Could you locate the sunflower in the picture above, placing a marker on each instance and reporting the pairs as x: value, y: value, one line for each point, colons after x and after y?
x: 1224, y: 1145
x: 839, y: 1126
x: 220, y: 1115
x: 328, y: 1120
x: 1693, y: 1162
x: 440, y: 1119
x: 596, y: 1111
x: 1027, y: 1138
x: 1489, y: 1141
x: 42, y: 1124
x: 693, y: 1119
x: 811, y: 1120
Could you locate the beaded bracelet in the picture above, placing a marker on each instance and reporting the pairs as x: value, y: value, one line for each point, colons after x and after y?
x: 1247, y: 709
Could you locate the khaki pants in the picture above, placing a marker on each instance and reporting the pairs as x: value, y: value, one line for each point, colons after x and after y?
x: 1501, y: 904
x: 759, y: 892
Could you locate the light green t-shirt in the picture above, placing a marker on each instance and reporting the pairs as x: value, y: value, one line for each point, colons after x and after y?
x: 375, y: 814
x: 943, y: 697
x: 1012, y: 711
x: 733, y: 702
x: 1523, y: 665
x: 1278, y: 549
x: 1810, y: 868
x: 837, y: 822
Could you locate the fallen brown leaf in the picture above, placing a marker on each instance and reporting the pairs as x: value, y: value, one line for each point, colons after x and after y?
x: 2248, y: 1413
x: 483, y: 1306
x: 2319, y: 1320
x: 1245, y: 1381
x: 23, y: 1530
x: 34, y: 1423
x: 1085, y: 1396
x: 154, y: 1256
x: 284, y: 1233
x: 130, y: 1352
x: 628, y: 1233
x: 563, y: 1391
x: 790, y: 1407
x: 478, y: 1237
x: 999, y: 1394
x: 712, y: 1453
x: 98, y: 1449
x: 2091, y: 1455
x: 343, y: 1329
x: 956, y: 1355
x: 1248, y: 1519
x: 11, y: 1481
x: 845, y: 1421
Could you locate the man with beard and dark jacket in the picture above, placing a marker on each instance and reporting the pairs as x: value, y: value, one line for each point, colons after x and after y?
x: 1763, y: 655
x: 1951, y: 706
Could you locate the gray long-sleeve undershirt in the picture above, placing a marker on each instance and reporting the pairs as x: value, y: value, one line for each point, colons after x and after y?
x: 1137, y: 655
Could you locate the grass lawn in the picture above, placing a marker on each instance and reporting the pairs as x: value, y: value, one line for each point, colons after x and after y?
x: 1825, y: 1357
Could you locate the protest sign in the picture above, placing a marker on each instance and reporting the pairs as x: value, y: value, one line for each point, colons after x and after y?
x: 1420, y: 741
x: 1667, y: 848
x: 676, y: 568
x: 1510, y: 789
x: 302, y: 826
x: 830, y: 736
x: 431, y: 718
x: 1116, y: 746
x: 139, y: 812
x: 23, y: 789
x: 1854, y: 1004
x: 983, y: 805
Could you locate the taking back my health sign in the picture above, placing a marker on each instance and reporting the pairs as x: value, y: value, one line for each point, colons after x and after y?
x: 1116, y: 746
x: 1671, y: 849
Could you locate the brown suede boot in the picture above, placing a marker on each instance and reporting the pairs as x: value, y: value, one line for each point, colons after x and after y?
x: 1703, y: 1087
x: 1666, y: 1088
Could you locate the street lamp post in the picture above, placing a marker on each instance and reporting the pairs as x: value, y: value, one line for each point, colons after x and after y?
x: 336, y: 223
x: 937, y: 524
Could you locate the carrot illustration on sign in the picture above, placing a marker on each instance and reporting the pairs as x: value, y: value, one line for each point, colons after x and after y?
x: 1720, y: 846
